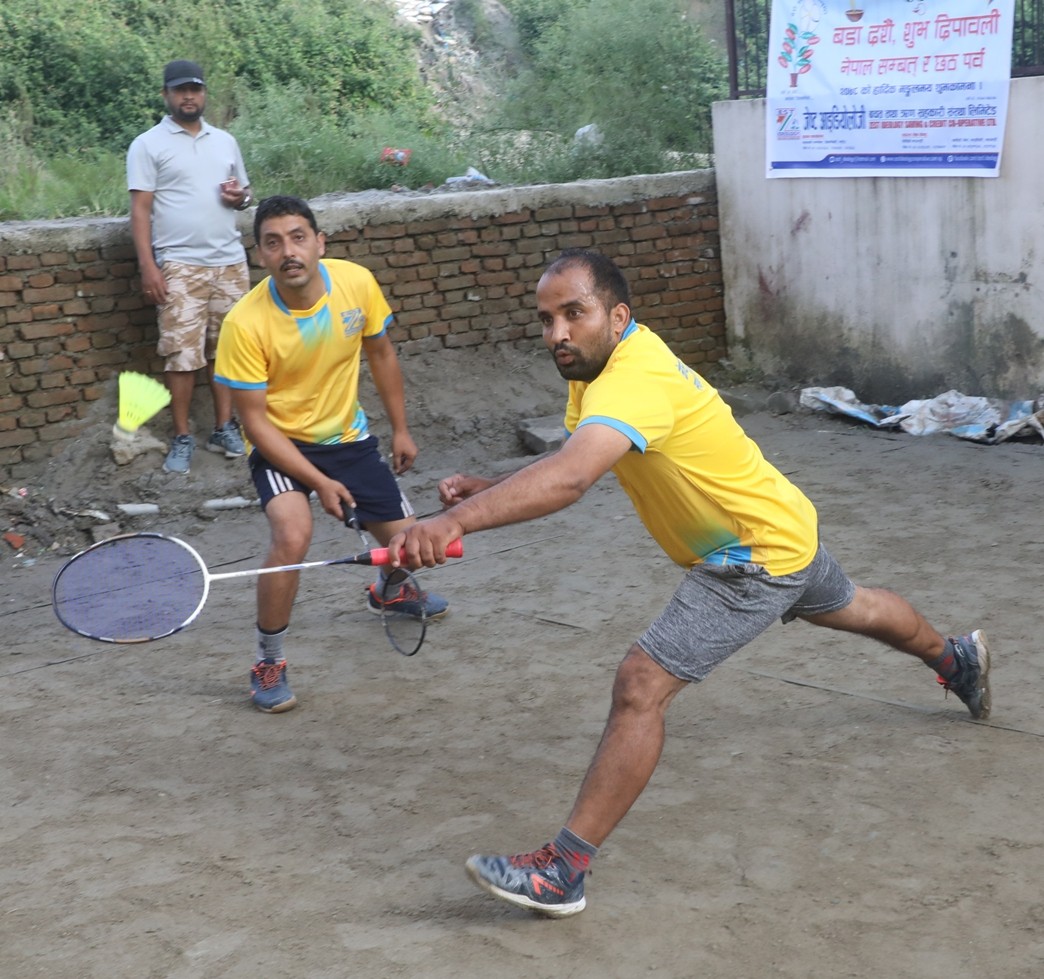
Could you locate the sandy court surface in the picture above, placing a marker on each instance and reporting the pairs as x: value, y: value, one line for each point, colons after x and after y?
x: 821, y: 810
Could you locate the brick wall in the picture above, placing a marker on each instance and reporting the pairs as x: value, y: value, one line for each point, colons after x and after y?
x: 459, y: 270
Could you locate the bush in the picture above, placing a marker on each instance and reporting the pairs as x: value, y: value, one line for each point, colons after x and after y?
x: 291, y: 146
x: 88, y: 75
x: 75, y: 81
x: 315, y: 89
x: 643, y: 73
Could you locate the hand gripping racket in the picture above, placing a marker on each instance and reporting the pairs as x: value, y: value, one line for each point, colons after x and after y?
x: 402, y: 605
x: 140, y: 587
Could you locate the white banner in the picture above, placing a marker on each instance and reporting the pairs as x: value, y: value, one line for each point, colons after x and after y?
x: 906, y: 88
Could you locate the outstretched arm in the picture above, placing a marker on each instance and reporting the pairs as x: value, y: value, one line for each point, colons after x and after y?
x: 543, y: 487
x: 453, y: 489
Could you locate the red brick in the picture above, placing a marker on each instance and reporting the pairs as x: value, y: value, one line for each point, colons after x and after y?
x: 20, y: 263
x: 553, y: 213
x: 404, y: 259
x: 48, y: 294
x: 410, y: 288
x: 49, y: 328
x: 18, y: 436
x: 44, y: 399
x: 104, y: 287
x: 494, y: 278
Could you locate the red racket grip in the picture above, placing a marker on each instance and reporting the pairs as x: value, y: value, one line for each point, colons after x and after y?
x: 380, y: 555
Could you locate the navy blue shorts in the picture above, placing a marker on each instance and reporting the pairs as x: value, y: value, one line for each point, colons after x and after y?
x: 358, y: 465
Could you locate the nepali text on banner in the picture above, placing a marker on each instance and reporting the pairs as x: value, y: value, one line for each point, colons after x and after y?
x: 906, y: 88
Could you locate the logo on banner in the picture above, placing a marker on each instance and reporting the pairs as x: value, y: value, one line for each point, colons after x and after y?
x: 787, y: 124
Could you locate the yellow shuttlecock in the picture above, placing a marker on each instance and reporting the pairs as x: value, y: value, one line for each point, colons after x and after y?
x: 140, y: 398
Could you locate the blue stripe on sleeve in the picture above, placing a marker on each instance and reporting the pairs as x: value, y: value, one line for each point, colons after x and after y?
x: 241, y: 385
x: 384, y: 329
x: 637, y: 439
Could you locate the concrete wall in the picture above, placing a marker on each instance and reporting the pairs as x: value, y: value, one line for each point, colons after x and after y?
x: 458, y: 269
x: 896, y: 287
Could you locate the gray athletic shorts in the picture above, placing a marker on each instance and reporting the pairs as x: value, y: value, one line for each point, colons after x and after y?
x: 718, y: 609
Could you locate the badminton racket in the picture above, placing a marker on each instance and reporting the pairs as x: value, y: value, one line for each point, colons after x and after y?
x: 139, y: 587
x: 402, y: 605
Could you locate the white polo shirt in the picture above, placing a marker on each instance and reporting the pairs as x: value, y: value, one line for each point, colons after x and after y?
x: 185, y: 173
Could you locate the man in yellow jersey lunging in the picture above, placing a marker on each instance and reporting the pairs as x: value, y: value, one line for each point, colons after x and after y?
x: 747, y: 537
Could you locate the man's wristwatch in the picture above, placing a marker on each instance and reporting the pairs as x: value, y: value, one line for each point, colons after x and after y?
x: 245, y: 202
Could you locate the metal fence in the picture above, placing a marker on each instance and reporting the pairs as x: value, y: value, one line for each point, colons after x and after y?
x: 747, y: 26
x: 1027, y: 45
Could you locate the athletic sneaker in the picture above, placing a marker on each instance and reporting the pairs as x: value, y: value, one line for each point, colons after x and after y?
x: 268, y: 687
x: 179, y: 458
x: 408, y: 602
x: 544, y: 881
x: 971, y: 682
x: 228, y: 440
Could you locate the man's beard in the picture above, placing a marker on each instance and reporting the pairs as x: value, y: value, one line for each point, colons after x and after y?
x: 193, y: 115
x: 582, y: 368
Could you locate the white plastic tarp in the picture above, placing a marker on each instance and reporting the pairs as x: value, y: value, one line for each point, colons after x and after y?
x: 987, y: 420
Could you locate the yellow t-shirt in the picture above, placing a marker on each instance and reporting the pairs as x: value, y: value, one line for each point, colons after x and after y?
x: 698, y: 482
x: 307, y: 361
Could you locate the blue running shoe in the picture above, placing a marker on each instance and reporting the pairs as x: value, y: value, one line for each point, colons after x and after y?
x: 545, y: 881
x: 268, y: 687
x: 972, y: 680
x: 408, y: 602
x: 179, y: 458
x: 227, y: 440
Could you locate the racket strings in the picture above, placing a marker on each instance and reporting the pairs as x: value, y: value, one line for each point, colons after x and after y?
x: 130, y: 589
x: 404, y: 611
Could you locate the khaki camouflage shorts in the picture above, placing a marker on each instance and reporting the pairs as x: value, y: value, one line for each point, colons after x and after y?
x: 198, y: 297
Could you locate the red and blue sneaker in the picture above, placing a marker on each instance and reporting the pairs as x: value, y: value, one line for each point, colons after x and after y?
x: 971, y: 682
x: 407, y: 601
x: 268, y: 687
x: 547, y: 881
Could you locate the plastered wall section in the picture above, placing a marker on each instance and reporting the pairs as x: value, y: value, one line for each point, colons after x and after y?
x: 896, y: 287
x: 459, y: 270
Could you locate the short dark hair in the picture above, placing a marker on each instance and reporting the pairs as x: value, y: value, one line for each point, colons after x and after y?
x: 608, y: 281
x: 280, y: 206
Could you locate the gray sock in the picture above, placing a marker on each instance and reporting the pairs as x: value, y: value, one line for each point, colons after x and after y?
x: 945, y: 664
x: 270, y: 644
x: 576, y: 852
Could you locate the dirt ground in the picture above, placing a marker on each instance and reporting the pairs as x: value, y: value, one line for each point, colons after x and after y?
x: 821, y: 809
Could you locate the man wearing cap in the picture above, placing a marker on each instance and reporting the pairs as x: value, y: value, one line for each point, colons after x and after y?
x: 186, y: 178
